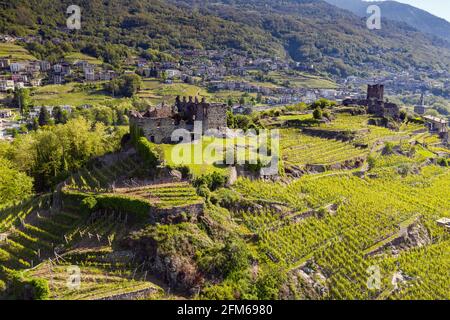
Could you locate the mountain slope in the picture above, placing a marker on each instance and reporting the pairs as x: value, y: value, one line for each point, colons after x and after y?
x: 417, y: 18
x: 307, y: 31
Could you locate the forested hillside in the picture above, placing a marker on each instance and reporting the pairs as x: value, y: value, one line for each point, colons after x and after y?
x: 393, y: 10
x: 310, y: 32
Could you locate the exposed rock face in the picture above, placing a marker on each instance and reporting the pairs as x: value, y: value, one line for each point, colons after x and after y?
x: 188, y: 213
x: 415, y: 235
x: 306, y: 282
x: 178, y: 271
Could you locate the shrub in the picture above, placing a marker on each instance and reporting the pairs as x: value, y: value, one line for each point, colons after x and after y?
x: 40, y: 288
x: 254, y: 167
x: 372, y: 162
x: 204, y: 192
x: 213, y: 180
x: 444, y: 162
x: 323, y: 103
x: 227, y: 197
x: 218, y: 292
x: 317, y: 114
x: 23, y: 288
x: 269, y: 282
x: 388, y: 148
x: 88, y: 204
x: 185, y: 172
x: 138, y: 207
x: 327, y: 114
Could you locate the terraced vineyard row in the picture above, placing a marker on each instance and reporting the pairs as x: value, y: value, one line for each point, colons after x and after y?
x: 165, y: 195
x: 301, y: 149
x: 101, y: 179
x: 368, y: 211
x: 40, y: 233
x: 10, y: 216
x: 98, y: 278
x: 35, y: 238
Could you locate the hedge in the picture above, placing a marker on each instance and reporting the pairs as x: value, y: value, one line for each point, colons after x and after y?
x: 136, y: 133
x: 148, y: 151
x: 140, y: 208
x: 25, y: 288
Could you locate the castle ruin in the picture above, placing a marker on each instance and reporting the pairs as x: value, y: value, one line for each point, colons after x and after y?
x: 375, y: 103
x: 158, y: 124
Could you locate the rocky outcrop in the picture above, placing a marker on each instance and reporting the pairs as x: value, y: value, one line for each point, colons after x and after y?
x: 308, y: 281
x: 188, y: 213
x: 415, y: 235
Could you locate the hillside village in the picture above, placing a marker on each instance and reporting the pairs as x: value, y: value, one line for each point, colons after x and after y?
x: 216, y: 71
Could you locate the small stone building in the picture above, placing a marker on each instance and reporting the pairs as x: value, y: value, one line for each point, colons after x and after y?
x: 421, y: 108
x: 437, y: 125
x: 158, y: 124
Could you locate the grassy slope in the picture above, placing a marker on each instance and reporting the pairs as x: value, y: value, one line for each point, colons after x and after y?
x: 76, y: 56
x: 14, y: 52
x: 68, y: 94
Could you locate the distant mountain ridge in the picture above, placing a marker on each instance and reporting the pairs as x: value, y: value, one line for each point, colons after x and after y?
x: 415, y: 17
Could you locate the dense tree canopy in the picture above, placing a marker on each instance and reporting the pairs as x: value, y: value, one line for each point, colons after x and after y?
x: 51, y: 153
x: 14, y: 185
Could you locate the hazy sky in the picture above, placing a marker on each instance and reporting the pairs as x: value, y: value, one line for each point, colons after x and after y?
x: 440, y: 8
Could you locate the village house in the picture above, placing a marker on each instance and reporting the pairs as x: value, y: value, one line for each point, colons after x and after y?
x: 6, y: 85
x: 45, y: 66
x: 444, y: 222
x: 5, y: 114
x: 4, y: 63
x: 33, y: 67
x: 106, y: 75
x: 19, y: 85
x: 437, y: 125
x: 20, y: 77
x: 89, y: 72
x: 173, y: 73
x: 36, y: 82
x: 16, y: 67
x: 57, y: 79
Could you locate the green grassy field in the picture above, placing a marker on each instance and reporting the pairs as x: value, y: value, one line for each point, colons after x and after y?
x: 202, y: 156
x: 303, y: 80
x: 76, y: 56
x: 157, y: 92
x: 68, y: 94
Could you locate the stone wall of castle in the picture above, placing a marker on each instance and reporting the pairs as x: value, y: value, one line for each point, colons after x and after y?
x: 158, y: 124
x: 375, y: 92
x: 215, y: 118
x: 158, y: 130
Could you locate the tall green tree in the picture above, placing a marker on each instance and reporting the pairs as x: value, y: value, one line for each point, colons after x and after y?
x: 60, y: 115
x: 14, y: 185
x: 126, y: 85
x: 21, y: 100
x: 44, y: 117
